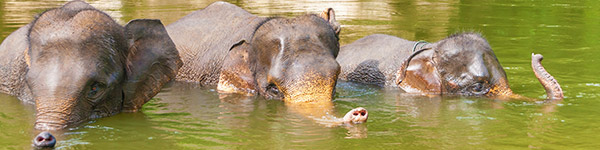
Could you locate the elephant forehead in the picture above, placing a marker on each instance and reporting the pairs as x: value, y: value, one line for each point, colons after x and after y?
x: 88, y: 34
x: 88, y: 53
x: 300, y: 27
x: 79, y: 25
x: 57, y: 75
x: 290, y: 37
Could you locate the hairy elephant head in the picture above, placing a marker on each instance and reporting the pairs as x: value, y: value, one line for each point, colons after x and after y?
x: 462, y: 64
x: 290, y: 59
x: 82, y: 64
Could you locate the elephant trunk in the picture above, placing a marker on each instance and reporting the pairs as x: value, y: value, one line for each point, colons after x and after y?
x: 552, y: 87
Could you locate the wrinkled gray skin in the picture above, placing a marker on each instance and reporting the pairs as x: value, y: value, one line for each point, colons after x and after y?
x: 461, y: 64
x: 291, y: 59
x: 75, y: 63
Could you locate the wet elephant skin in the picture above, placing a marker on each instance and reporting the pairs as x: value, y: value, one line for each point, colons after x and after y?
x: 75, y: 63
x: 282, y: 58
x: 461, y: 64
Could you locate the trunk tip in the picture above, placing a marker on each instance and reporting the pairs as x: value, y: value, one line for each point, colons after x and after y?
x: 537, y: 57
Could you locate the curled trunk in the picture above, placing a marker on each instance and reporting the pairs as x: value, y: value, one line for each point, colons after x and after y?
x: 552, y: 87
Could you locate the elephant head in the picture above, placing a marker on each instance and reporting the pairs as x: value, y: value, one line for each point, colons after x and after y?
x: 462, y: 64
x: 290, y: 59
x: 82, y: 64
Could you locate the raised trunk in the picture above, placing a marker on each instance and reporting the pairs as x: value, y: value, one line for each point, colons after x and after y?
x: 552, y: 87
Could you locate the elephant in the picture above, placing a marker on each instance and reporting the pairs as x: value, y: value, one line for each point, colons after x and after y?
x: 278, y: 58
x: 75, y: 63
x: 460, y: 64
x: 292, y: 59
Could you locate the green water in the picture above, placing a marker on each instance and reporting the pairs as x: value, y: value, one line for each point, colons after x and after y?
x: 185, y: 116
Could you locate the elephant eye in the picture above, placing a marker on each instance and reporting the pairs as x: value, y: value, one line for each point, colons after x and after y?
x: 95, y: 90
x: 479, y: 88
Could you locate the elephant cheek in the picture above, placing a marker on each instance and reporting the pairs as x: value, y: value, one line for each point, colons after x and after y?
x: 450, y: 87
x: 499, y: 91
x: 500, y: 88
x: 56, y: 114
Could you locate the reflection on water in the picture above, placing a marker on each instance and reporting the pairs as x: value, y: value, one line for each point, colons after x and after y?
x: 187, y: 116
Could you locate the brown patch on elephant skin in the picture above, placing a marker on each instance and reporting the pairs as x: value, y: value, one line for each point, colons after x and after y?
x: 422, y: 77
x: 502, y: 91
x: 26, y: 56
x: 236, y: 76
x: 311, y: 87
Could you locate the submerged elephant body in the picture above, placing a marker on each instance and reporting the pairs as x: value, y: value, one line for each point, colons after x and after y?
x: 284, y: 58
x: 75, y: 63
x: 292, y: 59
x: 461, y: 64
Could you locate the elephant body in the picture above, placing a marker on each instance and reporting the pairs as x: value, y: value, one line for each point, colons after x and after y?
x: 373, y: 59
x: 461, y: 64
x: 282, y: 58
x: 75, y: 63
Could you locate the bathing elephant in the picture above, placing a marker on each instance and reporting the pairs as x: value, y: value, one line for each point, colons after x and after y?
x: 75, y: 63
x: 461, y: 64
x: 292, y: 59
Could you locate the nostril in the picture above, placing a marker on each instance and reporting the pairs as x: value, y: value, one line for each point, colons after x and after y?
x: 355, y: 113
x: 363, y: 113
x: 44, y: 139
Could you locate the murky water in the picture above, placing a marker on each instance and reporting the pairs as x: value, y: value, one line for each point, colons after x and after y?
x: 185, y: 116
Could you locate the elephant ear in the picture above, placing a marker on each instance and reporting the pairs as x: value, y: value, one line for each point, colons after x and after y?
x: 236, y: 76
x: 14, y: 62
x: 152, y: 61
x: 329, y: 15
x: 418, y: 73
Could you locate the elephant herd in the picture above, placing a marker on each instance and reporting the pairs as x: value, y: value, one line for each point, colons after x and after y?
x: 76, y: 63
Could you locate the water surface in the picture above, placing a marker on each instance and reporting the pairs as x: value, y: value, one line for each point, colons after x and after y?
x: 185, y: 116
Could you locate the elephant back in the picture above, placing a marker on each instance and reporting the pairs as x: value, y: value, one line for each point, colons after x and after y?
x: 204, y: 37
